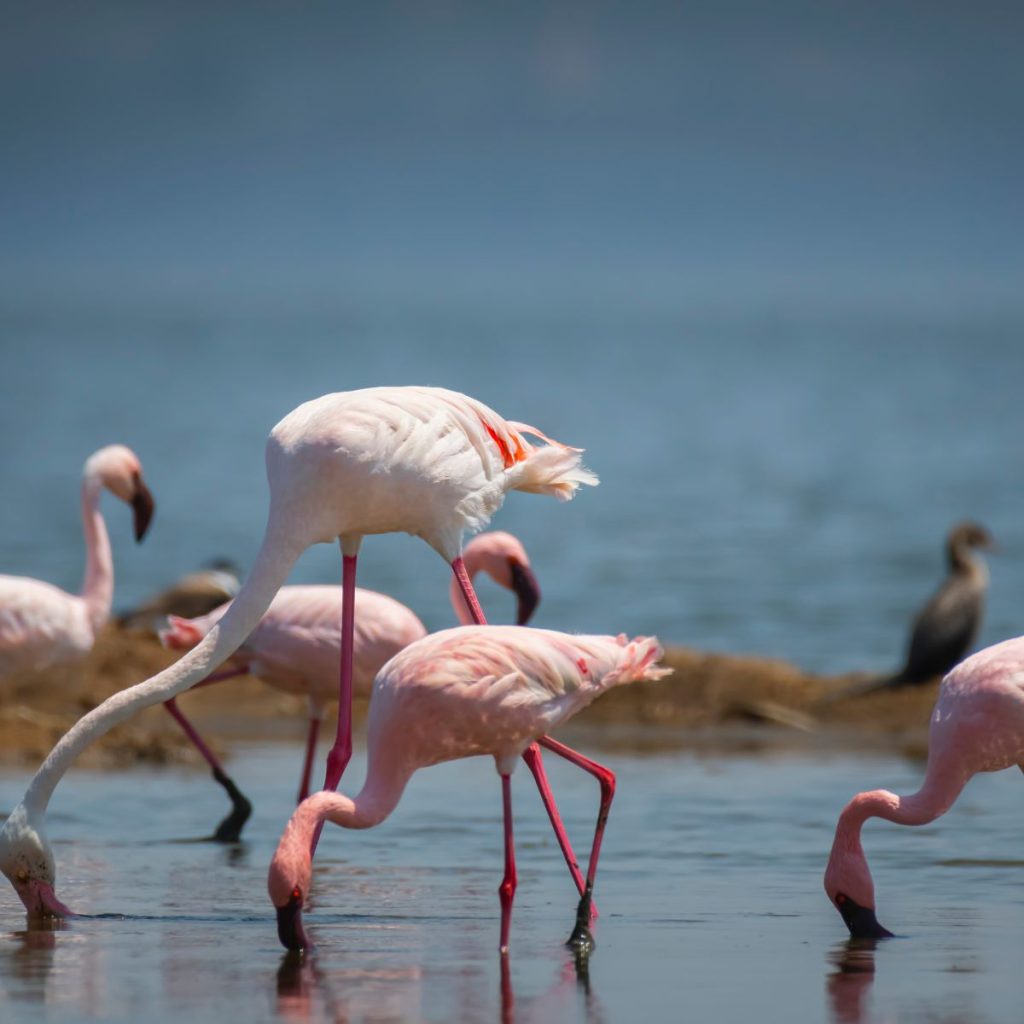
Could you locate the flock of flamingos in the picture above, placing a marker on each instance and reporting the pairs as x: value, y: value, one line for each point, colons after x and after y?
x: 436, y: 464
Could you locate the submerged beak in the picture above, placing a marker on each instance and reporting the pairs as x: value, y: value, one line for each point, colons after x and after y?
x: 289, y: 924
x: 41, y: 901
x: 526, y: 589
x: 861, y: 921
x: 143, y: 506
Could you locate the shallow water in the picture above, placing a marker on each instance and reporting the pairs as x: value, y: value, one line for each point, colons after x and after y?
x: 709, y: 889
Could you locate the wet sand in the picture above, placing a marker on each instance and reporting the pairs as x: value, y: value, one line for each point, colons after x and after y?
x: 711, y: 701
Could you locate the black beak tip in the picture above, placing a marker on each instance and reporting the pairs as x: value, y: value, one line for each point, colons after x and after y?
x: 289, y: 926
x: 143, y: 507
x: 527, y: 591
x: 861, y: 922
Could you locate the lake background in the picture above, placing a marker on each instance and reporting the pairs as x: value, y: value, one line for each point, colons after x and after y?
x: 764, y: 264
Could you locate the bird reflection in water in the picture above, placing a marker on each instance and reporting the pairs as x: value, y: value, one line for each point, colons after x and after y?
x: 305, y: 991
x: 849, y: 985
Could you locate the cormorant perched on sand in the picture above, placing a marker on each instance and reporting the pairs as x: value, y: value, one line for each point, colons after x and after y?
x: 946, y: 627
x: 193, y: 595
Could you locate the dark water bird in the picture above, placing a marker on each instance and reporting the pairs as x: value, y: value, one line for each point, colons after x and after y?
x: 946, y: 627
x: 194, y: 594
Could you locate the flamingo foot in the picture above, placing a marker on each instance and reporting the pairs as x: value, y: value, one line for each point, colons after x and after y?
x: 230, y: 829
x: 582, y: 941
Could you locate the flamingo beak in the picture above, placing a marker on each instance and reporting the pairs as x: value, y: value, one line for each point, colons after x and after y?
x: 143, y: 506
x: 861, y: 920
x: 41, y: 901
x: 289, y: 924
x: 526, y: 589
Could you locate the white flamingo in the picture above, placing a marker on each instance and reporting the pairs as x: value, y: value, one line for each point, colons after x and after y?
x: 42, y: 625
x: 426, y: 461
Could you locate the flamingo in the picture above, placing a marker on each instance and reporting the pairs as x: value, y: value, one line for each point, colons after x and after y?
x: 42, y: 625
x: 296, y: 646
x: 458, y: 693
x: 427, y: 461
x: 977, y: 726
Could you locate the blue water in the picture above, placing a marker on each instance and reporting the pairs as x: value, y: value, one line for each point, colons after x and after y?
x: 773, y: 486
x: 709, y: 890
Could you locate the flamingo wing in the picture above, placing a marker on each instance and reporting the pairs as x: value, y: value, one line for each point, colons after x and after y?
x: 40, y: 625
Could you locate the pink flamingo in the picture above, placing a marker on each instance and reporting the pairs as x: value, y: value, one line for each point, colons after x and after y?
x: 977, y: 726
x: 458, y: 693
x: 42, y: 625
x: 297, y: 644
x: 426, y: 461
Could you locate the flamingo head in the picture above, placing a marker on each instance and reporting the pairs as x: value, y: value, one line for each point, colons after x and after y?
x: 504, y: 559
x: 27, y: 861
x: 291, y: 873
x: 851, y: 891
x: 118, y: 469
x: 182, y: 634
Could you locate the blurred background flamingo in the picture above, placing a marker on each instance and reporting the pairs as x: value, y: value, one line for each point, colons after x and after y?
x: 42, y: 625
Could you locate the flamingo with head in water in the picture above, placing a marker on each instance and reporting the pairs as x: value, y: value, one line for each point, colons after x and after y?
x: 459, y: 693
x: 297, y: 644
x: 426, y: 461
x: 977, y: 726
x: 42, y: 625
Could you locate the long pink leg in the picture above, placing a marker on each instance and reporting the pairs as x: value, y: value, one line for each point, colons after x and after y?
x: 307, y: 767
x: 507, y: 889
x: 229, y: 830
x: 581, y: 938
x: 219, y: 677
x: 341, y: 752
x: 533, y: 761
x: 468, y: 593
x: 531, y: 755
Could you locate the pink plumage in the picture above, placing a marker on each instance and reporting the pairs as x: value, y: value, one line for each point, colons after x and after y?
x: 977, y: 725
x: 296, y: 646
x: 458, y: 693
x: 42, y: 625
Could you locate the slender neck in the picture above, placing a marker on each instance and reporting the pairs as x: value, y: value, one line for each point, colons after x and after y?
x: 98, y: 584
x: 269, y: 571
x: 385, y: 783
x: 940, y: 789
x: 961, y: 558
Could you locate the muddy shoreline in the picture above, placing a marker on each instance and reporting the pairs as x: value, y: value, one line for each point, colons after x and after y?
x: 710, y: 702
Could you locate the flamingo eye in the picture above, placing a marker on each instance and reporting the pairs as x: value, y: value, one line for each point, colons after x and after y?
x: 21, y: 874
x: 840, y: 899
x: 296, y: 893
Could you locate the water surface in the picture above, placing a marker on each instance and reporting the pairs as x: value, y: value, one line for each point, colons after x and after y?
x: 710, y: 897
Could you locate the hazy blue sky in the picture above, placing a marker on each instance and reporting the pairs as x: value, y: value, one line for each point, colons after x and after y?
x: 824, y: 155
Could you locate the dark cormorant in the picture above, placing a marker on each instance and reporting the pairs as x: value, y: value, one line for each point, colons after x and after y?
x: 191, y: 596
x: 946, y: 627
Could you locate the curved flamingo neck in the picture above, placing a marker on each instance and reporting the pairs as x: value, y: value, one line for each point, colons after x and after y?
x: 372, y: 805
x: 270, y: 570
x: 936, y: 795
x: 98, y: 584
